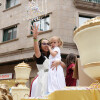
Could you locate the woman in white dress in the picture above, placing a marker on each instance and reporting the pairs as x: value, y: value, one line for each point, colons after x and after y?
x: 39, y: 86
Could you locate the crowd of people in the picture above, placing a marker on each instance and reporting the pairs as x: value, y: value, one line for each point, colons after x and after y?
x: 50, y: 76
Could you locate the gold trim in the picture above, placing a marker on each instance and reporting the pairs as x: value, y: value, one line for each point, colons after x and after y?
x: 23, y: 65
x: 92, y: 22
x: 91, y: 65
x: 97, y: 78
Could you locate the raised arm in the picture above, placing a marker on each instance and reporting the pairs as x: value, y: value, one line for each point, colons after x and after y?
x: 35, y: 38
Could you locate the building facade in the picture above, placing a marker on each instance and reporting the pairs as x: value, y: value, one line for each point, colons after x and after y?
x: 61, y: 19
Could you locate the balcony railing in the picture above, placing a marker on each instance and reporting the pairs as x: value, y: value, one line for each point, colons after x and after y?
x: 93, y: 1
x: 88, y: 4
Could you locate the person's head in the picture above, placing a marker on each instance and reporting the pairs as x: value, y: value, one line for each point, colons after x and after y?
x: 71, y: 58
x: 43, y: 45
x: 55, y: 42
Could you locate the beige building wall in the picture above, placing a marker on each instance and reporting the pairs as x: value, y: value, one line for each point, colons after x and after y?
x: 64, y: 16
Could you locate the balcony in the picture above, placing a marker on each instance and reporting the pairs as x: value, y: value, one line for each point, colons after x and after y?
x: 93, y: 1
x: 93, y: 5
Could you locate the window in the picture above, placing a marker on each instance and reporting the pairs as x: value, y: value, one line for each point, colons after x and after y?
x: 9, y: 34
x: 44, y: 23
x: 83, y: 19
x: 11, y: 3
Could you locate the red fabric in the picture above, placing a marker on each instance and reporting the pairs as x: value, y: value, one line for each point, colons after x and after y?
x: 31, y: 85
x: 69, y: 80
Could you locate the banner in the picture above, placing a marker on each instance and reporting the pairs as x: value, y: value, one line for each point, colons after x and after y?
x: 6, y: 76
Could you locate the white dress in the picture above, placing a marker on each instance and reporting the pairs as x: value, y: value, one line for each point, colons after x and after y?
x: 56, y: 79
x: 39, y: 86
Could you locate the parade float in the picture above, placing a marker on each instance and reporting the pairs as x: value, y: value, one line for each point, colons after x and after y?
x: 87, y: 39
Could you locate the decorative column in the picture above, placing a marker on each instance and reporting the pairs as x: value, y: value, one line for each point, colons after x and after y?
x: 22, y: 71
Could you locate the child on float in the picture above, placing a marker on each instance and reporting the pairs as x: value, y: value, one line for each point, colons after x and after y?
x: 56, y: 79
x: 71, y: 60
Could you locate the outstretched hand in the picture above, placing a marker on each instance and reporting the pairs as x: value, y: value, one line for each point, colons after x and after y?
x: 35, y: 31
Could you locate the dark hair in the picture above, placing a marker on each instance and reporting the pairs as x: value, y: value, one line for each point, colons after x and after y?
x: 71, y: 58
x: 40, y: 41
x: 42, y: 52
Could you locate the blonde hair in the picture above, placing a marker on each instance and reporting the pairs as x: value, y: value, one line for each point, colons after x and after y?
x: 60, y: 42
